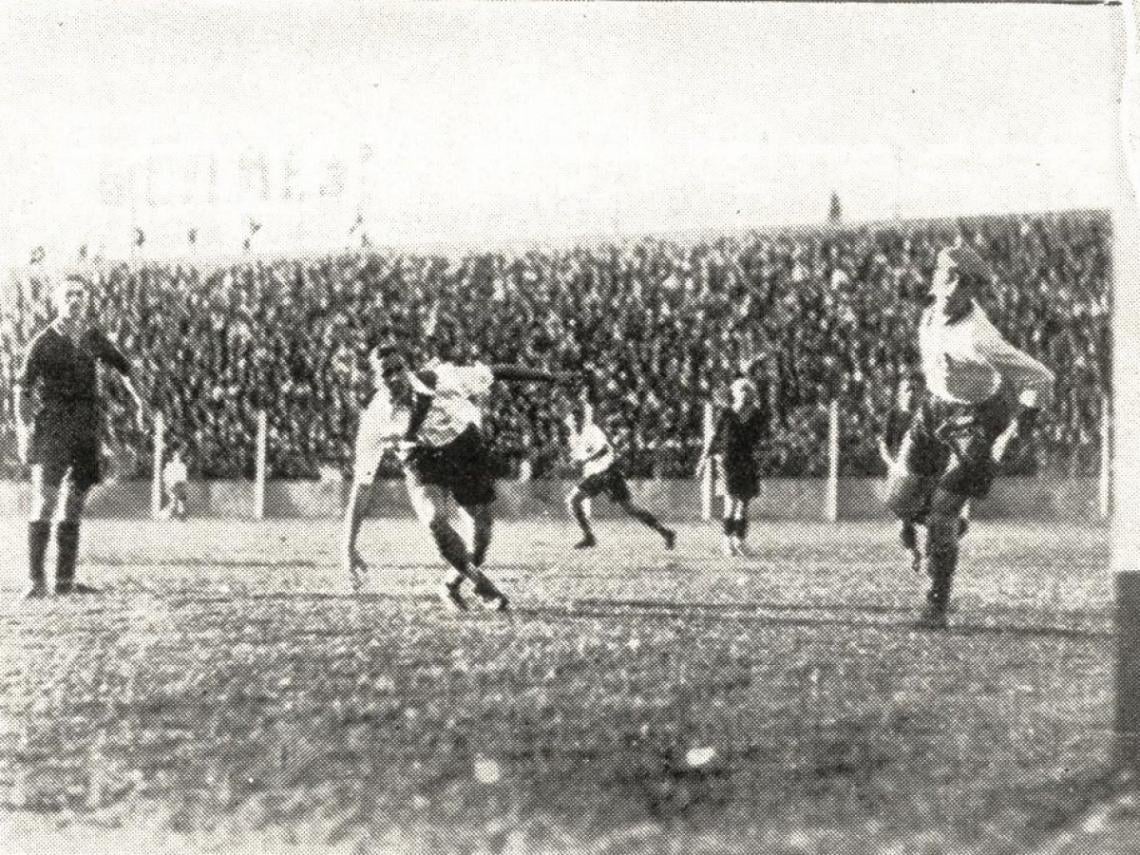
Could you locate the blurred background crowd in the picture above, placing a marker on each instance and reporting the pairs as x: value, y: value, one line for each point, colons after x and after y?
x: 811, y: 314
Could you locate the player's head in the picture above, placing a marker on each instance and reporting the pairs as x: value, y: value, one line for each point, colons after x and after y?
x: 959, y: 275
x: 390, y: 358
x: 69, y: 295
x: 742, y: 393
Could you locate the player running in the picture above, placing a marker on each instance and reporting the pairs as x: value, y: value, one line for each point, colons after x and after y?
x: 446, y: 461
x: 981, y: 392
x: 591, y: 447
x: 61, y: 441
x: 739, y: 430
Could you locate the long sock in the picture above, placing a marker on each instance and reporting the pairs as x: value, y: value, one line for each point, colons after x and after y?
x: 647, y: 519
x: 451, y: 547
x: 942, y: 559
x: 729, y: 527
x: 67, y: 552
x: 39, y: 533
x: 583, y: 520
x: 742, y: 528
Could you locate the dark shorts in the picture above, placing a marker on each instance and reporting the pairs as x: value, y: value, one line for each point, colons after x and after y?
x: 67, y: 438
x: 462, y: 467
x: 609, y: 482
x: 953, y: 442
x: 741, y: 479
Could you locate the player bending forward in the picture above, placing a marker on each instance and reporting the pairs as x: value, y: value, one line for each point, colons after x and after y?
x: 601, y: 476
x: 446, y: 464
x: 732, y: 445
x: 981, y: 391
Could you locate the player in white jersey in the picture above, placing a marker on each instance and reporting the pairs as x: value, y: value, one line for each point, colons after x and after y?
x: 590, y: 446
x: 447, y: 465
x: 382, y: 424
x: 981, y: 392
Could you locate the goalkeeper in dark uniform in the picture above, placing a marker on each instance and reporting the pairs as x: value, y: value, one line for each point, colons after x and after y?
x: 739, y: 430
x: 61, y: 441
x: 981, y: 392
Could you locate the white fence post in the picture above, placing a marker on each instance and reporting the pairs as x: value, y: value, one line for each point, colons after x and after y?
x: 831, y: 495
x: 260, y: 465
x: 709, y: 477
x: 1105, y: 457
x: 156, y: 474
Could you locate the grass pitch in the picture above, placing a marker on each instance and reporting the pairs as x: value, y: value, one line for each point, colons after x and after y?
x: 230, y: 693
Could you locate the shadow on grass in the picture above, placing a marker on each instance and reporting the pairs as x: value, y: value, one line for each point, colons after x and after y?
x: 779, y: 613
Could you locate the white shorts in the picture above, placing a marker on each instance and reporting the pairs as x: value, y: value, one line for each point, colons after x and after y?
x: 373, y: 440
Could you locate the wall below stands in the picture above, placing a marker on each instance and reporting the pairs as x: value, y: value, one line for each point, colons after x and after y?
x: 786, y: 499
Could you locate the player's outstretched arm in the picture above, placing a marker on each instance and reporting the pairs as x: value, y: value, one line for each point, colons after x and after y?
x: 140, y: 405
x: 23, y: 421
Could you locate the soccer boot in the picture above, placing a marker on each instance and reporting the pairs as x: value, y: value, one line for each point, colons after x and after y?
x: 670, y: 538
x: 450, y: 596
x: 35, y: 591
x: 491, y: 597
x: 742, y: 549
x: 933, y: 616
x: 588, y: 541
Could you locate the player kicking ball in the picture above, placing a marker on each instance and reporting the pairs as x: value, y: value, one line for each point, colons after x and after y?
x: 981, y: 392
x: 447, y: 467
x: 591, y: 447
x: 739, y: 430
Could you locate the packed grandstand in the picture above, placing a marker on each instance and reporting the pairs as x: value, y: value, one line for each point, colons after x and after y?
x: 662, y: 325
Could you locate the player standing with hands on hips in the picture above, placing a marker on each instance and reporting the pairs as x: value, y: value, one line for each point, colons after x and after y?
x: 981, y: 392
x: 61, y: 442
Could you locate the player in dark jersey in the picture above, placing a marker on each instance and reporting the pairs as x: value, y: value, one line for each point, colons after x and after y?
x: 742, y: 426
x: 61, y: 440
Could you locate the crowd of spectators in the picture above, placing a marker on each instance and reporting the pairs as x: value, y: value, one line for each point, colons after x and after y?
x: 662, y: 326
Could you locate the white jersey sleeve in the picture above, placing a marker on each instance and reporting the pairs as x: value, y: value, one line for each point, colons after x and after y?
x: 1033, y: 380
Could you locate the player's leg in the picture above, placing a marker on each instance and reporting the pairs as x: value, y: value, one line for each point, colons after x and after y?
x: 482, y: 527
x: 576, y: 502
x: 618, y: 491
x: 72, y: 503
x: 432, y: 504
x: 964, y: 520
x: 729, y: 542
x: 742, y: 525
x: 45, y: 490
x: 359, y: 502
x: 941, y: 554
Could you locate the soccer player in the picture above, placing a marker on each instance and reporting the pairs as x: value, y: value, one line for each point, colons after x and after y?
x: 446, y: 464
x: 382, y: 424
x: 601, y: 476
x: 175, y: 477
x: 981, y: 392
x: 61, y: 441
x: 739, y: 430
